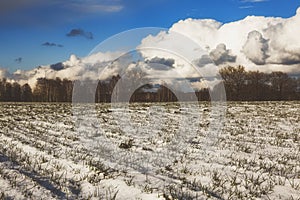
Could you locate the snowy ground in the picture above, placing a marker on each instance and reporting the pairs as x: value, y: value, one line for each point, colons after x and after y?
x: 52, y: 151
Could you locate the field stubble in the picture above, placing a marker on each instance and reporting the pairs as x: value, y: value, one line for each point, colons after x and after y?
x: 44, y: 153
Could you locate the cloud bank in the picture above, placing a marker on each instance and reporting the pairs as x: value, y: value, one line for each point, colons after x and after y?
x: 4, y: 73
x: 259, y: 43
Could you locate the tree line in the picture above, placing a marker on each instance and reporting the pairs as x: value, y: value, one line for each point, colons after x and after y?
x: 240, y: 85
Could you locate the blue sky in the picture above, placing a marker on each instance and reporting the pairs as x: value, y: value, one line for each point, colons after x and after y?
x: 45, y: 32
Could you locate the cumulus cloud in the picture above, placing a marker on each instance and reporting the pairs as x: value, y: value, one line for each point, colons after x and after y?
x: 256, y: 48
x: 94, y: 67
x: 221, y: 55
x: 183, y: 50
x: 80, y: 32
x: 51, y: 44
x: 163, y: 61
x: 259, y: 43
x: 284, y: 41
x: 203, y: 83
x: 203, y: 61
x: 4, y: 73
x: 102, y: 66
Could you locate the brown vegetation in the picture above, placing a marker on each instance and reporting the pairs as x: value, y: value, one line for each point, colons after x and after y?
x: 240, y: 85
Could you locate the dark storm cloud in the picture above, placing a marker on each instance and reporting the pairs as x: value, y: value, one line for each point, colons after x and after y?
x: 51, y: 44
x: 57, y: 66
x: 19, y: 60
x: 80, y: 32
x: 163, y: 61
x: 293, y: 60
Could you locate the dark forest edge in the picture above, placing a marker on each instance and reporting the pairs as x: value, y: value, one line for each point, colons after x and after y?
x: 240, y: 85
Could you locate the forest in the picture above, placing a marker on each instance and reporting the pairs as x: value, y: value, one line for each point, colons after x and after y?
x: 240, y: 85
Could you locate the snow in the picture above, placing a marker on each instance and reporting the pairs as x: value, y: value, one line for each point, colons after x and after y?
x: 44, y: 151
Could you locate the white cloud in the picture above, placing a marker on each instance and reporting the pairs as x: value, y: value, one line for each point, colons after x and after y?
x: 4, y: 73
x: 93, y: 67
x: 198, y: 85
x: 259, y: 43
x: 256, y: 48
x: 222, y: 55
x: 181, y: 49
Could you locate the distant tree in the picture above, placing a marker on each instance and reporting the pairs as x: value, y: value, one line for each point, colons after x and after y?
x: 41, y: 91
x: 85, y: 91
x: 240, y: 85
x: 101, y: 92
x: 2, y: 89
x: 203, y: 94
x: 26, y: 93
x: 283, y: 86
x: 298, y: 88
x: 55, y: 90
x: 16, y: 92
x: 164, y: 94
x: 8, y: 91
x: 112, y: 85
x: 67, y: 90
x: 234, y: 80
x: 256, y: 86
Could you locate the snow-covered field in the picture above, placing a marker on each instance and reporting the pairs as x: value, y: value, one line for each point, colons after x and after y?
x: 48, y: 152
